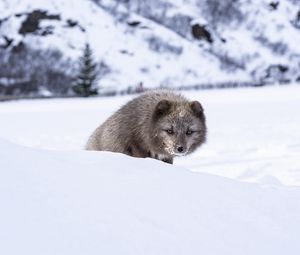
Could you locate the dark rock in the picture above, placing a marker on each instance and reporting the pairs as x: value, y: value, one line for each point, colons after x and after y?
x: 19, y: 48
x: 274, y: 5
x: 124, y: 52
x: 281, y: 68
x: 133, y: 23
x: 18, y: 15
x: 31, y: 23
x: 46, y: 31
x: 72, y: 23
x: 200, y: 32
x: 8, y: 42
x: 296, y: 21
x: 276, y: 73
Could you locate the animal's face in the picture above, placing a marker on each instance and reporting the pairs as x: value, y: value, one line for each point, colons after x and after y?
x: 178, y: 128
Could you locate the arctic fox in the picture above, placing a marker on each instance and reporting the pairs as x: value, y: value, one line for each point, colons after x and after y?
x: 157, y: 124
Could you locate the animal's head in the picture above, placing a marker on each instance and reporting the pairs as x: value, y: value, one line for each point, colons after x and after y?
x: 178, y: 128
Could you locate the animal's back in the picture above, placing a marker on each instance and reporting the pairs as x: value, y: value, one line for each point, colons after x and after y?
x: 129, y: 126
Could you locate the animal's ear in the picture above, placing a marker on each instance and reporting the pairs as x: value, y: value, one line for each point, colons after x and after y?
x: 162, y: 108
x: 197, y: 108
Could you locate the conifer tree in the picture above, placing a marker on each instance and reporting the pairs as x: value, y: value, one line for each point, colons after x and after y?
x: 88, y: 74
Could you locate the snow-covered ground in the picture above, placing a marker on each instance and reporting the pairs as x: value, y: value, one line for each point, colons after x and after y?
x: 56, y: 198
x: 103, y: 203
x: 253, y: 134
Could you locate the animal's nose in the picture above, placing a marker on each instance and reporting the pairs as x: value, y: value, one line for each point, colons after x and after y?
x: 180, y: 149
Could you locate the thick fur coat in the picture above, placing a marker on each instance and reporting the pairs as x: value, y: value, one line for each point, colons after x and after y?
x: 158, y: 124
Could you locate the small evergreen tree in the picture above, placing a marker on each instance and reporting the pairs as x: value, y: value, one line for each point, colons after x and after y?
x: 88, y: 74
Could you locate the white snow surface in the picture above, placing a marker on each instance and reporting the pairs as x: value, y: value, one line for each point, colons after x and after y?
x: 253, y: 134
x: 104, y: 203
x: 59, y: 199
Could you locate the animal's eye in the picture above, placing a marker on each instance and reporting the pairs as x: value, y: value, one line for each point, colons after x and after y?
x: 189, y: 132
x: 170, y: 131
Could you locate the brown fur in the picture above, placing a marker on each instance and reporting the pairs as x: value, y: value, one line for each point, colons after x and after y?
x: 154, y: 125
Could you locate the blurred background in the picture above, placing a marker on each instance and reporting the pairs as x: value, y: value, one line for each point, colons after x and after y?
x: 59, y: 48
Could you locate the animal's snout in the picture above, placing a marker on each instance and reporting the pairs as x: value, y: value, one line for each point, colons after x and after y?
x: 180, y: 149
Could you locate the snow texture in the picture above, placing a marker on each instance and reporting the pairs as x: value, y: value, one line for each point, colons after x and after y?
x: 58, y: 199
x: 105, y: 203
x: 253, y: 134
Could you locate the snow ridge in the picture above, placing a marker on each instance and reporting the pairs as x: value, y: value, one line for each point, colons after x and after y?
x: 85, y: 202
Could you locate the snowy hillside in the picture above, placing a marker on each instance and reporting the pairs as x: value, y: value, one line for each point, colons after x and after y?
x: 105, y: 203
x: 150, y: 53
x: 161, y: 43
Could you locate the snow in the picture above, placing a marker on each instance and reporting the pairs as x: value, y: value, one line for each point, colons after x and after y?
x: 104, y: 203
x: 254, y: 40
x: 238, y: 194
x: 261, y: 39
x: 124, y: 49
x: 253, y: 134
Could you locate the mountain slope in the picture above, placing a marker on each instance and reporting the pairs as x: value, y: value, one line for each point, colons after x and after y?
x: 150, y: 54
x: 163, y: 43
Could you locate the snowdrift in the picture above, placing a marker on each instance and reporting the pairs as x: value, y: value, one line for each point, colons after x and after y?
x: 81, y: 202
